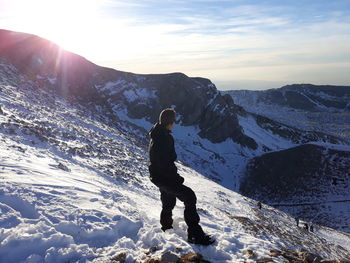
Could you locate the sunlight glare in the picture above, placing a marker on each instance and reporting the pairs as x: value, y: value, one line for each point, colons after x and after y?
x: 70, y: 24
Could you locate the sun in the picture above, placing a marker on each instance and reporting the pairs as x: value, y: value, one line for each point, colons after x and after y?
x: 69, y: 23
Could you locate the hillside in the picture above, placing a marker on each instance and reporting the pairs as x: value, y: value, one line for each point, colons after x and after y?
x: 289, y: 180
x: 74, y: 188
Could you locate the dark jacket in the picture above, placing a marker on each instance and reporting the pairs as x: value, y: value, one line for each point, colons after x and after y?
x: 162, y: 156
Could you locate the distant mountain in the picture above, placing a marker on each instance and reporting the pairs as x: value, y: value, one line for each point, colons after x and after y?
x: 305, y: 97
x: 321, y: 108
x: 214, y: 136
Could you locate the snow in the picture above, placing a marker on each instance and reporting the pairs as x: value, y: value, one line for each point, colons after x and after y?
x: 49, y: 215
x: 52, y: 80
x: 75, y: 189
x: 114, y: 87
x: 271, y: 140
x: 139, y: 94
x: 123, y: 115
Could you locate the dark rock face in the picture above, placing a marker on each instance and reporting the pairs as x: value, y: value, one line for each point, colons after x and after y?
x: 189, y: 96
x: 307, y: 180
x: 299, y: 172
x: 196, y: 100
x: 219, y: 122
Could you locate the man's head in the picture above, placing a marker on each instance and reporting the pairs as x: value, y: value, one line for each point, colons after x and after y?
x: 167, y: 118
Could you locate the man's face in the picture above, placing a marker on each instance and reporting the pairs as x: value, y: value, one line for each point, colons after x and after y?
x: 170, y: 126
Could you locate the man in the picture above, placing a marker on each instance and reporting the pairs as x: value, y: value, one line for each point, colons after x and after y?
x: 163, y: 173
x: 259, y: 205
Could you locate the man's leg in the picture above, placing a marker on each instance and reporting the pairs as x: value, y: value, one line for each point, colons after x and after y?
x: 188, y: 197
x: 168, y: 204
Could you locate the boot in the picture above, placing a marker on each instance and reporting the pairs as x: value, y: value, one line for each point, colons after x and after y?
x: 204, y: 240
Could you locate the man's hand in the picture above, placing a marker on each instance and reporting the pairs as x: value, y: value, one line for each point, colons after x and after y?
x: 181, y: 180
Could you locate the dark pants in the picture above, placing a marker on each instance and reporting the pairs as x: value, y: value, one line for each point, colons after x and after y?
x: 169, y: 193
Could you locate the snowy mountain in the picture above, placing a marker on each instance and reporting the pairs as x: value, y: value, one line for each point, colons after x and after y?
x: 74, y: 178
x: 308, y: 107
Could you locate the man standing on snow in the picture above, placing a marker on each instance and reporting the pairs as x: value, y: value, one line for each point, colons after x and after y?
x: 163, y: 173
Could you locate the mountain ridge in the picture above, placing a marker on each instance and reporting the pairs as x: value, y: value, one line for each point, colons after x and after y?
x: 305, y: 107
x: 74, y: 75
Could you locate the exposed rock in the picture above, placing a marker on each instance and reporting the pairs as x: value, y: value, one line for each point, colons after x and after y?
x: 291, y: 256
x: 308, y: 257
x: 169, y: 257
x: 264, y: 260
x: 275, y: 253
x: 152, y: 260
x: 120, y: 258
x: 151, y: 250
x: 249, y: 253
x: 194, y: 257
x: 178, y: 249
x: 343, y: 260
x: 219, y: 122
x: 62, y: 167
x: 196, y: 100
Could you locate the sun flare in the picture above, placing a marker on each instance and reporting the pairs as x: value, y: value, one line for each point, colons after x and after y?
x: 67, y: 23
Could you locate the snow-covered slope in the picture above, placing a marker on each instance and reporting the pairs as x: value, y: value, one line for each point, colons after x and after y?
x: 74, y: 188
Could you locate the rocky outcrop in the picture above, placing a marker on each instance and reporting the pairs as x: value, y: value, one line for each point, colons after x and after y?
x: 219, y: 121
x: 196, y: 100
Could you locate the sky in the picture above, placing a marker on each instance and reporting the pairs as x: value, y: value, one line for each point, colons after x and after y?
x: 251, y: 44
